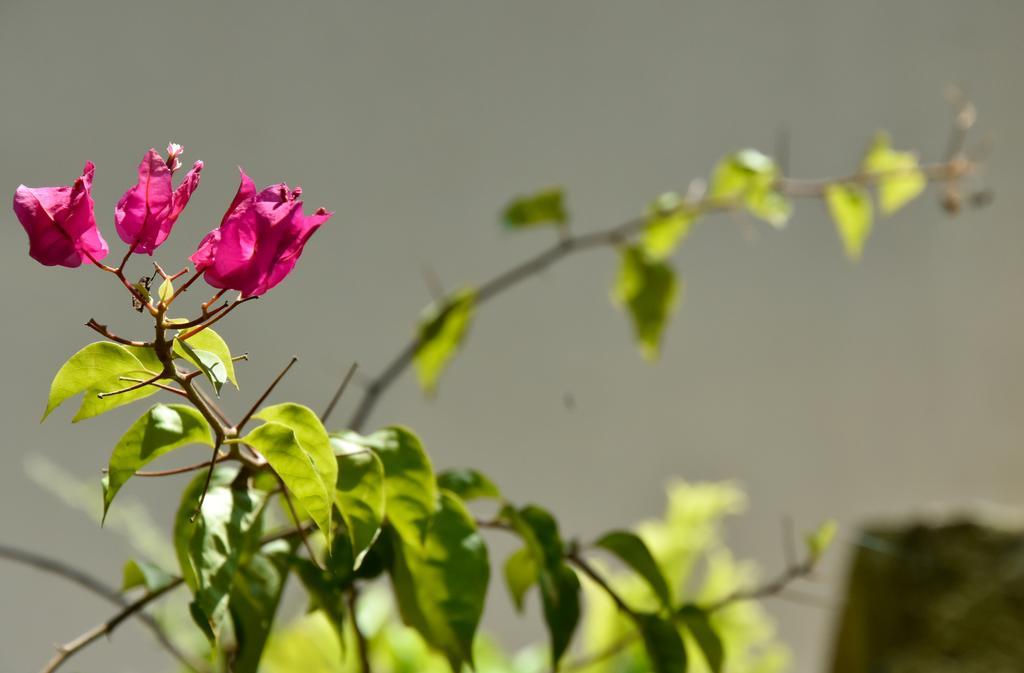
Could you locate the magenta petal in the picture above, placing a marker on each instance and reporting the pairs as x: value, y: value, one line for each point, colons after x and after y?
x: 140, y: 215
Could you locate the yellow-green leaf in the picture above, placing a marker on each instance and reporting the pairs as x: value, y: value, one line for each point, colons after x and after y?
x: 441, y: 332
x: 649, y: 291
x: 900, y: 179
x: 850, y: 206
x: 360, y: 494
x: 821, y: 539
x: 210, y: 342
x: 98, y: 368
x: 160, y: 430
x: 298, y: 469
x: 668, y: 223
x: 166, y: 290
x: 749, y: 176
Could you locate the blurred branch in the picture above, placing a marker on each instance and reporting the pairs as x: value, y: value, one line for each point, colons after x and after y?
x: 101, y: 589
x: 947, y: 172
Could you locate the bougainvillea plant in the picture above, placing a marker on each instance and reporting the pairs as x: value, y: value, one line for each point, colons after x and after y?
x: 361, y: 507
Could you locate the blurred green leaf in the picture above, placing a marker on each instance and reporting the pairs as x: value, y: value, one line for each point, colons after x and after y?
x: 663, y: 643
x: 632, y: 551
x: 409, y: 485
x: 750, y: 176
x: 521, y: 573
x: 162, y: 429
x: 468, y: 484
x: 559, y: 585
x: 900, y: 179
x: 98, y: 368
x: 649, y: 291
x: 441, y: 586
x: 441, y: 332
x: 328, y: 587
x: 255, y: 595
x: 821, y: 539
x: 308, y: 480
x: 668, y: 223
x: 211, y: 342
x: 360, y: 494
x: 698, y: 623
x: 541, y: 208
x: 850, y: 206
x: 143, y: 574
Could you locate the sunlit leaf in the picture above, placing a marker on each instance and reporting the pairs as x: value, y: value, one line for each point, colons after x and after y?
x: 649, y: 291
x: 143, y: 574
x: 441, y: 331
x: 211, y: 342
x: 900, y: 179
x: 225, y: 530
x: 850, y: 206
x: 545, y: 207
x: 166, y: 290
x: 441, y: 586
x: 409, y: 485
x: 521, y: 571
x: 209, y: 363
x: 98, y: 368
x: 663, y: 644
x: 298, y: 469
x: 360, y: 494
x: 632, y: 551
x: 668, y: 223
x: 162, y: 429
x: 468, y: 484
x: 698, y: 623
x: 749, y: 177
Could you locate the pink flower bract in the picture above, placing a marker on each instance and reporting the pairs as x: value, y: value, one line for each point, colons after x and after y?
x: 60, y: 222
x: 259, y: 239
x: 145, y: 214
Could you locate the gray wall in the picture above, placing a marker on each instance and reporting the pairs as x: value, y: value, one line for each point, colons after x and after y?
x: 824, y: 388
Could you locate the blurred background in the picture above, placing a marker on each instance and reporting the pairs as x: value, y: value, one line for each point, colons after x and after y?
x: 879, y: 390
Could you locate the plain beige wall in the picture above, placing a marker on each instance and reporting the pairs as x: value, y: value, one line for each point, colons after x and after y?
x: 824, y: 388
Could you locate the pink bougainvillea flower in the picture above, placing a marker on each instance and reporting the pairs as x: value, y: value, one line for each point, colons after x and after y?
x: 260, y: 238
x: 145, y: 214
x: 60, y: 223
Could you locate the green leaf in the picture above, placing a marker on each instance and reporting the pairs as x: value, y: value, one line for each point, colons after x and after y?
x: 468, y: 484
x: 749, y: 176
x: 541, y: 208
x: 410, y: 488
x: 209, y: 363
x: 185, y: 528
x: 632, y: 551
x: 162, y: 429
x: 166, y: 290
x: 143, y: 574
x: 521, y: 573
x: 94, y: 369
x: 559, y: 585
x: 668, y: 223
x: 226, y: 529
x: 663, y: 643
x: 900, y: 178
x: 299, y: 470
x: 211, y: 342
x: 821, y: 539
x: 698, y: 622
x: 255, y: 595
x: 649, y: 291
x: 441, y: 586
x: 360, y: 494
x: 441, y: 332
x: 312, y: 437
x: 327, y: 587
x: 850, y: 206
